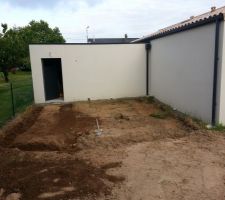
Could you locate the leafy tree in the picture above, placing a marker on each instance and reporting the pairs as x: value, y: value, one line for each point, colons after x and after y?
x: 3, y: 53
x: 14, y: 42
x: 5, y: 27
x: 38, y: 32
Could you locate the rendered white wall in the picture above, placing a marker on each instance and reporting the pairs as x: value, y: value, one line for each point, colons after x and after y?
x: 93, y: 71
x: 181, y: 70
x: 221, y: 85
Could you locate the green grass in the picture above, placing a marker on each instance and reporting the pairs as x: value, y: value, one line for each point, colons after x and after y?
x: 165, y: 110
x: 219, y: 127
x: 150, y: 99
x: 22, y: 92
x: 159, y: 115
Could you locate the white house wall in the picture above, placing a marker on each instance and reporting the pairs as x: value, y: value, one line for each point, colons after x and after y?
x: 93, y: 71
x: 181, y: 70
x: 221, y: 85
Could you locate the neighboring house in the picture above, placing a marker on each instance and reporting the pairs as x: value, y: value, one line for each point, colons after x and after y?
x: 182, y: 65
x: 187, y: 65
x: 111, y: 40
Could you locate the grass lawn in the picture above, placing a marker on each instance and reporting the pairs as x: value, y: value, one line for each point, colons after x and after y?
x: 22, y: 92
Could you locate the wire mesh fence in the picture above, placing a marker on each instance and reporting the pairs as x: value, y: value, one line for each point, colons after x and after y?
x: 15, y: 96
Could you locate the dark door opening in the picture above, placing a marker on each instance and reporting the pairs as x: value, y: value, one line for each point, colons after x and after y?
x: 53, y: 82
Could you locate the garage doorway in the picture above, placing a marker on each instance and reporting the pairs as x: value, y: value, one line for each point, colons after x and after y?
x: 53, y: 82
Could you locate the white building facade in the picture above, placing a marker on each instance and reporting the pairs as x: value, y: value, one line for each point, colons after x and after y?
x: 182, y: 66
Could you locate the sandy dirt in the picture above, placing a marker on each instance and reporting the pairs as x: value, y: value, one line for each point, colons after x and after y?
x: 53, y: 152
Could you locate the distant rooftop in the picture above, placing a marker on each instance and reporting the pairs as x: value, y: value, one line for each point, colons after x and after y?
x: 111, y: 40
x: 192, y: 20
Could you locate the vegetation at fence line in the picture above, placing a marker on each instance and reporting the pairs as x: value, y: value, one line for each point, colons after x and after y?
x: 150, y: 99
x: 219, y: 127
x: 166, y: 111
x: 14, y: 43
x: 22, y: 93
x: 160, y: 115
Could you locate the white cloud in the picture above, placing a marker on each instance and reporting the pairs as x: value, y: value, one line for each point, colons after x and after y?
x: 107, y: 18
x: 43, y: 3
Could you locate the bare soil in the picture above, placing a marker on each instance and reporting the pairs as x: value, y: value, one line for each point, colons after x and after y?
x: 53, y: 152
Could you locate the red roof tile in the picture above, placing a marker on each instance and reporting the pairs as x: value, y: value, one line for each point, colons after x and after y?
x: 191, y: 20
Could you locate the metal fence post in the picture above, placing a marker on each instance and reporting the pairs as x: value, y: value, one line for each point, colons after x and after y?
x: 12, y: 98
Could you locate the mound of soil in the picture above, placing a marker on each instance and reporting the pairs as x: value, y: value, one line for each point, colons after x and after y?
x: 48, y: 130
x: 53, y: 152
x: 64, y: 179
x: 20, y: 125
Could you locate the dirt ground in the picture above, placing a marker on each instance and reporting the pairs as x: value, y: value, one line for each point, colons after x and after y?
x: 53, y: 152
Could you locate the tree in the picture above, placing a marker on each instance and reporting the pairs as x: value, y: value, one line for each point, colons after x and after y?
x: 3, y: 59
x: 3, y: 53
x: 14, y: 42
x: 5, y: 27
x: 38, y: 32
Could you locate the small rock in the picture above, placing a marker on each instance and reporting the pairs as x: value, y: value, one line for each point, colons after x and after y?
x: 13, y: 196
x: 43, y: 171
x: 56, y: 180
x: 1, y: 192
x: 120, y: 116
x: 209, y: 126
x: 79, y: 133
x: 68, y: 189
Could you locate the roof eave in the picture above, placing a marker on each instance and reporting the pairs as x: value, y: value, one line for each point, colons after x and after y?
x: 182, y: 28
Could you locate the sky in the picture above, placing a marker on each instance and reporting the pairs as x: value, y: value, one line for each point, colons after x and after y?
x: 105, y: 18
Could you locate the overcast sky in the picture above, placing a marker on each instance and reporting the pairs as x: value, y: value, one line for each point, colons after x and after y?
x: 106, y: 18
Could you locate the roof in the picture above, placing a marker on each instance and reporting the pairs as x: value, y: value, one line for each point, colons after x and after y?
x: 191, y: 21
x: 111, y: 40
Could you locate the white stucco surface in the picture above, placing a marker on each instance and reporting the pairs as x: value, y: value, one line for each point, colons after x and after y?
x: 181, y: 70
x: 93, y: 71
x: 221, y: 84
